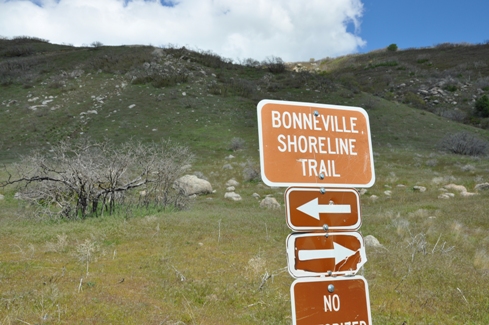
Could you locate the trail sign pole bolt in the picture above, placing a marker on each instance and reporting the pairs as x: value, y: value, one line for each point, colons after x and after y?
x: 322, y: 190
x: 321, y: 176
x: 331, y: 288
x: 316, y: 113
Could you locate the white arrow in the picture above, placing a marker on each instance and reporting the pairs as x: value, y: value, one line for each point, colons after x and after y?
x: 339, y: 253
x: 313, y: 208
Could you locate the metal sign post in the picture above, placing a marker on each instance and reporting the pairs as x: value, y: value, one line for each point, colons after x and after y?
x: 320, y: 152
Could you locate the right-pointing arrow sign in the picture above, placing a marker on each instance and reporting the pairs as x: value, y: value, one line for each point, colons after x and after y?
x: 339, y: 253
x: 313, y: 208
x: 314, y: 254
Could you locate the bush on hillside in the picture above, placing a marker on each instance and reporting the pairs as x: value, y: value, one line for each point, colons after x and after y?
x: 482, y: 106
x: 274, y: 64
x: 392, y: 48
x: 237, y: 144
x: 464, y: 143
x: 251, y: 172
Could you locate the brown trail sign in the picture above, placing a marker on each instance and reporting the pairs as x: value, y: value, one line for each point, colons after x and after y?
x: 310, y: 208
x: 330, y: 301
x: 306, y: 144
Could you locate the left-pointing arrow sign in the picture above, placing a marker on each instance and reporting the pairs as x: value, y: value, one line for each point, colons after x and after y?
x: 339, y: 253
x: 313, y: 208
x: 310, y: 208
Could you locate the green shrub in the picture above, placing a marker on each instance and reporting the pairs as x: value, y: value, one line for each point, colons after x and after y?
x: 392, y: 48
x: 482, y: 106
x: 414, y: 100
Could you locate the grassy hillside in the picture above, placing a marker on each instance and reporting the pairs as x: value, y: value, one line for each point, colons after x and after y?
x: 222, y: 261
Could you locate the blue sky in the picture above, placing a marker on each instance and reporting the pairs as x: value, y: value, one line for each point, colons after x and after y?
x: 420, y: 23
x: 295, y: 30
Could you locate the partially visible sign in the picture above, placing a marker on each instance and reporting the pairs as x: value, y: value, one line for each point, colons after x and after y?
x: 318, y: 254
x: 310, y: 208
x: 330, y: 301
x: 305, y: 144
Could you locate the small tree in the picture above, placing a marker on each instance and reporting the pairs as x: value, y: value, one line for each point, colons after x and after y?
x: 392, y: 48
x: 482, y: 106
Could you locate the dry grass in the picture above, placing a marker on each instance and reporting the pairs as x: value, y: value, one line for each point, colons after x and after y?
x: 224, y: 262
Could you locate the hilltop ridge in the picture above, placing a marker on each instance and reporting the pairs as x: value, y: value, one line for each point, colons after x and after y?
x: 196, y: 97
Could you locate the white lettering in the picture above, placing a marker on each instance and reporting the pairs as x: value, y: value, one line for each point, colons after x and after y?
x: 331, y: 152
x: 343, y: 146
x: 352, y: 147
x: 326, y: 123
x: 327, y: 167
x: 316, y: 122
x: 334, y: 169
x: 292, y: 143
x: 281, y: 139
x: 331, y: 303
x: 276, y: 119
x: 303, y: 161
x: 321, y: 145
x: 297, y: 120
x: 307, y: 121
x: 286, y: 122
x: 353, y: 124
x: 336, y: 124
x: 303, y: 144
x: 312, y: 167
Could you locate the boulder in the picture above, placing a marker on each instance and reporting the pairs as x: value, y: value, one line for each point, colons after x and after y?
x: 191, y: 184
x: 467, y: 194
x: 371, y: 241
x: 232, y: 196
x: 456, y: 187
x: 2, y: 197
x: 482, y: 187
x: 232, y: 182
x: 270, y: 203
x: 419, y: 188
x: 373, y: 198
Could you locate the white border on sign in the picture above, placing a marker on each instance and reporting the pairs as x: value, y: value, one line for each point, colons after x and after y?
x: 315, y: 105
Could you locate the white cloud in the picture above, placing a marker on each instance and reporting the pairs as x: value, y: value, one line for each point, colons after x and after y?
x: 291, y: 29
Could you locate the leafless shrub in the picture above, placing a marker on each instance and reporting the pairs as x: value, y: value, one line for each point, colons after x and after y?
x: 464, y: 143
x: 77, y: 179
x: 274, y: 64
x: 251, y: 171
x: 250, y: 63
x: 452, y: 114
x: 85, y: 252
x: 237, y: 144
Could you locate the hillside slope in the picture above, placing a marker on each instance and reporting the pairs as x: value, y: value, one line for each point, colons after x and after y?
x: 52, y: 92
